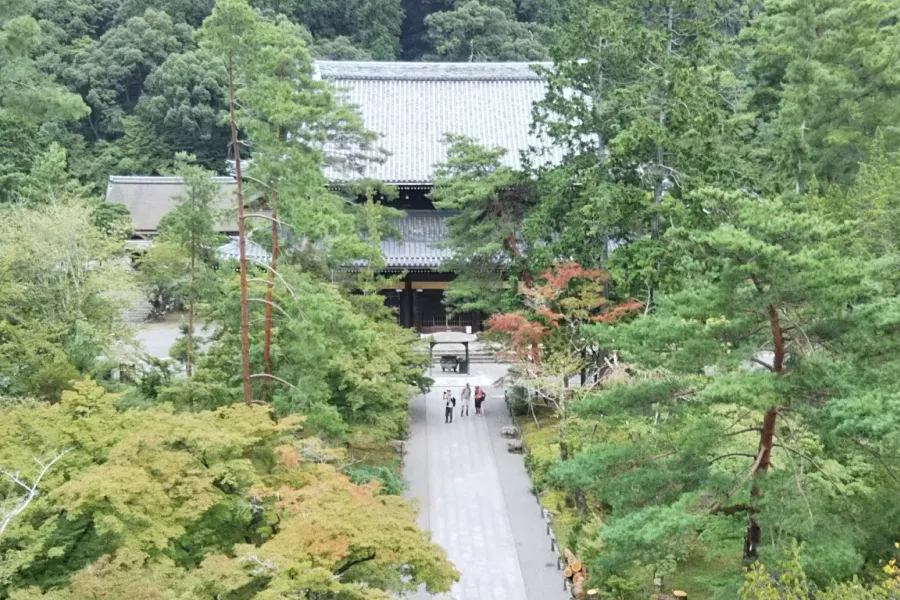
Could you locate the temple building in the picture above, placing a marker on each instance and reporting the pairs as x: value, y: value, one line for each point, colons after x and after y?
x: 412, y: 106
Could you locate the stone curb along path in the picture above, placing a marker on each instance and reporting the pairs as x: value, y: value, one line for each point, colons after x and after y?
x: 475, y: 497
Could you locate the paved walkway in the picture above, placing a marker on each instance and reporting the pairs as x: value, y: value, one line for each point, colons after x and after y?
x: 474, y: 497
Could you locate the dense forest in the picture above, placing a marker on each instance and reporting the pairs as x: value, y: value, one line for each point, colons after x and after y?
x: 701, y: 300
x: 697, y: 293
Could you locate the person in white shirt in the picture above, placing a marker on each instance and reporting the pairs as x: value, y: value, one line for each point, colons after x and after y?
x: 449, y: 403
x: 465, y: 401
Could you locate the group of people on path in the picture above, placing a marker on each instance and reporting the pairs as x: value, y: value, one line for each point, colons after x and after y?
x: 465, y: 401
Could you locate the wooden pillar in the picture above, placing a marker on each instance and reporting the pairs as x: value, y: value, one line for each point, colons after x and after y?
x: 407, y: 305
x: 414, y: 303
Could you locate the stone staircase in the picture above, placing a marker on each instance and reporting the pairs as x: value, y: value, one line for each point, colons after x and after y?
x: 137, y: 313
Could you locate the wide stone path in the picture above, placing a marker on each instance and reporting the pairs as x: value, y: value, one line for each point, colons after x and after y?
x: 474, y: 497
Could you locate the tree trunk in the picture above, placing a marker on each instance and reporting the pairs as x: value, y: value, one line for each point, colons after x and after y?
x: 514, y: 247
x: 753, y: 536
x: 563, y: 425
x: 245, y: 317
x: 190, y: 326
x: 267, y: 341
x: 777, y: 340
x: 659, y: 185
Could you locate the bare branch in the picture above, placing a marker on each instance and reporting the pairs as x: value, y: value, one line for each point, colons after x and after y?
x: 734, y: 490
x: 720, y: 457
x: 880, y: 459
x: 272, y: 304
x: 745, y: 430
x: 274, y: 378
x: 281, y: 278
x: 272, y: 283
x: 31, y: 490
x: 267, y: 217
x: 352, y: 563
x: 763, y: 363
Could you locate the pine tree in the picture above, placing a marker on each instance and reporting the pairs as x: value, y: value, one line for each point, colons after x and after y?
x: 638, y: 104
x: 192, y: 225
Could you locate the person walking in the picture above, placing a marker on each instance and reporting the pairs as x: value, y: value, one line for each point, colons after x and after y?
x: 479, y: 399
x: 449, y: 402
x: 465, y: 400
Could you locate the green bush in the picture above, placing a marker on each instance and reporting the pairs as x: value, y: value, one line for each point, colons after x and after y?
x: 391, y: 483
x: 518, y: 401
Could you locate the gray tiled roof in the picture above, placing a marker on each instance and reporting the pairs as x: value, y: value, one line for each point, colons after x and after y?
x: 421, y: 232
x: 231, y: 250
x: 149, y: 198
x: 413, y: 105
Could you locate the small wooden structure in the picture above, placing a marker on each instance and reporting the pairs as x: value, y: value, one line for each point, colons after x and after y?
x: 448, y: 338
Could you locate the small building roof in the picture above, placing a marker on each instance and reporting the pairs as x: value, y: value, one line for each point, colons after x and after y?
x: 149, y: 198
x: 231, y: 250
x: 414, y: 105
x: 420, y: 245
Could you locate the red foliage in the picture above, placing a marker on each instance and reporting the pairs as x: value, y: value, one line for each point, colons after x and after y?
x: 552, y: 318
x: 625, y: 309
x: 521, y: 331
x: 558, y: 277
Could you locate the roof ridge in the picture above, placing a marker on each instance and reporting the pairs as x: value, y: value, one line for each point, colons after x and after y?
x: 428, y: 71
x: 161, y: 179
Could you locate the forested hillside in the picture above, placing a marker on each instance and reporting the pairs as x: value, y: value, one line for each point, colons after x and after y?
x: 147, y: 90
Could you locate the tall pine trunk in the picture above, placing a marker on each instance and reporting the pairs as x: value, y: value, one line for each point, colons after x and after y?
x: 753, y: 536
x: 245, y: 317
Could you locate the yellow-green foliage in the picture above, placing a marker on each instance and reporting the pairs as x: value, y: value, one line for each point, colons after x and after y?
x: 157, y: 504
x: 789, y: 582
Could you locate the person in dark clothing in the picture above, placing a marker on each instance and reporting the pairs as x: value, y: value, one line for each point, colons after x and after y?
x: 449, y: 403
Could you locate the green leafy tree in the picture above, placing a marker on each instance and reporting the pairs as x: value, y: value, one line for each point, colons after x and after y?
x: 492, y: 201
x: 110, y: 72
x: 228, y: 502
x: 339, y: 48
x: 735, y: 409
x: 373, y: 25
x: 791, y: 583
x: 30, y: 100
x: 191, y: 12
x: 637, y: 103
x: 293, y: 122
x: 477, y: 31
x: 331, y: 359
x: 233, y: 35
x: 183, y: 104
x: 64, y: 284
x: 68, y: 20
x: 822, y: 85
x: 192, y: 225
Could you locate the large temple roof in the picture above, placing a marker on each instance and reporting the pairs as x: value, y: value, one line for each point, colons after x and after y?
x: 412, y: 106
